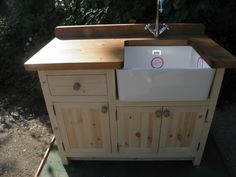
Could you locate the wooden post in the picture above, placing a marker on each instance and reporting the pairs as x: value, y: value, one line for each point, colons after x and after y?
x: 52, y: 117
x: 111, y: 86
x: 215, y: 90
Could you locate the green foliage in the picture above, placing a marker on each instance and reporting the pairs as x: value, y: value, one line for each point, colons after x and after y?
x: 125, y: 11
x: 3, y: 28
x: 215, y: 14
x: 31, y: 18
x: 83, y: 11
x: 105, y: 11
x: 24, y: 27
x: 188, y: 10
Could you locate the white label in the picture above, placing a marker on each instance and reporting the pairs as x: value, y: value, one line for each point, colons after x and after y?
x: 156, y: 52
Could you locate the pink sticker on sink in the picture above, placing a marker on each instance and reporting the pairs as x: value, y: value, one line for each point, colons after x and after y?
x: 157, y: 62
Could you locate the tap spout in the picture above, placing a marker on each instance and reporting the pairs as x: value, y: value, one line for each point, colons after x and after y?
x: 156, y: 30
x: 157, y: 20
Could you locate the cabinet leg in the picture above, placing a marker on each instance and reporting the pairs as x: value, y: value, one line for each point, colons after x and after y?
x: 197, y: 160
x: 64, y: 160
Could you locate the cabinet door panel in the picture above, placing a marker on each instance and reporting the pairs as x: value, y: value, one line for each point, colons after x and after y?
x: 181, y: 128
x: 85, y: 128
x: 138, y: 130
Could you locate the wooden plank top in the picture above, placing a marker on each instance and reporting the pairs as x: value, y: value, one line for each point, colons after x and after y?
x: 78, y: 54
x: 106, y: 52
x: 124, y: 31
x: 214, y: 54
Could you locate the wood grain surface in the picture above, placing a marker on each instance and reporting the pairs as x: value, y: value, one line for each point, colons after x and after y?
x: 123, y: 30
x: 214, y: 54
x: 84, y: 127
x: 108, y: 53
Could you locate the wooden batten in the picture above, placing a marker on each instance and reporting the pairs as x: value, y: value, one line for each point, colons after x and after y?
x: 52, y: 116
x: 215, y: 55
x: 163, y: 42
x: 123, y: 30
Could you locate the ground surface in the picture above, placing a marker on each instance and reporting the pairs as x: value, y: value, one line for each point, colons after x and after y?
x: 224, y: 132
x: 211, y: 166
x: 24, y: 138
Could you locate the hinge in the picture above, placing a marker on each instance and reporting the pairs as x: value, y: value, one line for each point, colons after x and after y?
x: 198, y: 146
x: 116, y: 115
x: 118, y: 147
x: 63, y: 146
x: 206, y: 115
x: 54, y: 110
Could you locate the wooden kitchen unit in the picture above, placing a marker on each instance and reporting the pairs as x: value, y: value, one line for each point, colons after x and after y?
x: 77, y: 72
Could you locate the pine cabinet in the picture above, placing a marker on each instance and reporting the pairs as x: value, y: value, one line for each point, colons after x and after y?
x: 159, y: 129
x: 91, y: 123
x: 85, y: 126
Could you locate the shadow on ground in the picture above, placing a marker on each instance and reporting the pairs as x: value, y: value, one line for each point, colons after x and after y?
x: 211, y: 166
x: 224, y: 132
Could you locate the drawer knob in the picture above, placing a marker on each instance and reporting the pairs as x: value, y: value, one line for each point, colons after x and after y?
x: 138, y: 134
x: 104, y: 109
x: 166, y: 113
x: 158, y: 113
x: 76, y: 86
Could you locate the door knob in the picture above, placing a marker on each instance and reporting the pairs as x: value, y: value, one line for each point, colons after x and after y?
x: 166, y: 113
x: 104, y: 109
x: 76, y: 86
x: 158, y: 113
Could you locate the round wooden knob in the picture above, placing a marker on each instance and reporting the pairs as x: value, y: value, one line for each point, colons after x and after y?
x: 104, y: 109
x: 158, y: 113
x: 138, y: 134
x: 166, y: 113
x: 76, y: 86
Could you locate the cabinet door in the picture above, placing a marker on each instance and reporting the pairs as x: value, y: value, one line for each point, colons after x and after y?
x: 84, y: 127
x: 181, y: 128
x: 138, y: 129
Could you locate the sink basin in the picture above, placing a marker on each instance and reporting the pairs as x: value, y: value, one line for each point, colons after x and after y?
x: 163, y: 73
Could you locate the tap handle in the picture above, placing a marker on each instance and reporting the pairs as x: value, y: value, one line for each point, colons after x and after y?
x: 147, y: 26
x: 167, y: 26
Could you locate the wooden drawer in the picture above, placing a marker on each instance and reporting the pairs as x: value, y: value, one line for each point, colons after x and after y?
x: 78, y: 85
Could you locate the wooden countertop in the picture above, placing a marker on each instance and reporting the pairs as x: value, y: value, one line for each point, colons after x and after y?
x: 101, y: 46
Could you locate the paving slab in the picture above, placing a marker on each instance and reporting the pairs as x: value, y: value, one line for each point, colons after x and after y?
x: 211, y: 166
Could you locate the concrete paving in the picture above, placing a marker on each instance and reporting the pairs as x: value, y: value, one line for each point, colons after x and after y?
x: 211, y: 166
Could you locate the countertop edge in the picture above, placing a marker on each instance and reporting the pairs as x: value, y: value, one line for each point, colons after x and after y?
x: 73, y: 66
x: 214, y: 54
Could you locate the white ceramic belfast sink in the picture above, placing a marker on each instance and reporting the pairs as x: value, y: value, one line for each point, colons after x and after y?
x: 163, y: 73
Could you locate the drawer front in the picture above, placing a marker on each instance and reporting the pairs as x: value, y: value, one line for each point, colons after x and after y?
x: 77, y: 85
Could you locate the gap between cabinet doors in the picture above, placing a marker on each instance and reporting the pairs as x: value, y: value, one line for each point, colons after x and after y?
x: 159, y: 129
